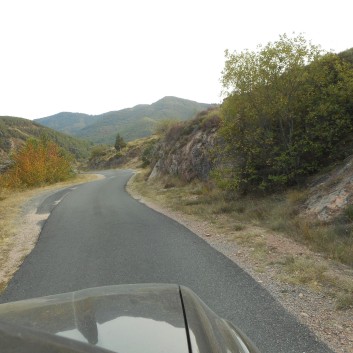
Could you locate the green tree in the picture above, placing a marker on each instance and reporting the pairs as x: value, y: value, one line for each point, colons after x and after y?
x: 119, y: 143
x: 285, y: 107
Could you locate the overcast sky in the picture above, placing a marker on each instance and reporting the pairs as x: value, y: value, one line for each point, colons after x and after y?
x: 94, y: 56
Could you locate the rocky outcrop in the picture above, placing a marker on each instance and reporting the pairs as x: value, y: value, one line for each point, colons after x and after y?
x: 331, y: 193
x: 187, y: 149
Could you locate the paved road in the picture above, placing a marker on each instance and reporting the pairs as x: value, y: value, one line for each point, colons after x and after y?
x: 98, y: 235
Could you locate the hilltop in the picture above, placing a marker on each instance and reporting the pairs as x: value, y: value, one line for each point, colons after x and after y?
x: 130, y: 123
x: 15, y: 131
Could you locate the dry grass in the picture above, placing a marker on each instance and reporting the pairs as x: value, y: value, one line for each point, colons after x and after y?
x: 318, y: 276
x: 253, y: 222
x: 304, y: 270
x: 344, y: 300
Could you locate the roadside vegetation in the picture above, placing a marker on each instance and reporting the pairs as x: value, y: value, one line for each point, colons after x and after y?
x: 287, y: 115
x: 37, y: 163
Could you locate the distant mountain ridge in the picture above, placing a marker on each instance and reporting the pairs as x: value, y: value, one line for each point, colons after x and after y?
x: 66, y: 122
x: 131, y: 123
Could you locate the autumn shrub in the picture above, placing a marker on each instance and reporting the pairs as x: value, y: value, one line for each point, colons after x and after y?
x: 37, y: 163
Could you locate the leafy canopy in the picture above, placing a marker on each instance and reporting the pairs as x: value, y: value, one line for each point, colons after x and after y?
x: 287, y: 107
x: 246, y: 71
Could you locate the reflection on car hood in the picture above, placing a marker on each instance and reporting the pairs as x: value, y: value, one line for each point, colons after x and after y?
x: 125, y: 318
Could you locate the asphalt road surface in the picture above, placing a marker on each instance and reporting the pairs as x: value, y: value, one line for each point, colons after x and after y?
x: 98, y: 235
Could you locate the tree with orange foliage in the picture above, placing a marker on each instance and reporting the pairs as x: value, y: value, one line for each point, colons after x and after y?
x: 39, y: 162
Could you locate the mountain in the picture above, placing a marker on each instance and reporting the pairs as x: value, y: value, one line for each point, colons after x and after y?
x: 130, y: 123
x: 15, y: 131
x: 68, y: 123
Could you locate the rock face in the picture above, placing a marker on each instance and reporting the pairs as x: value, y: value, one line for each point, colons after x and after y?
x: 186, y: 150
x: 331, y: 193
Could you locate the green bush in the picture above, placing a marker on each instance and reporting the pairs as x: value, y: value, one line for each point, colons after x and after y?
x: 287, y: 113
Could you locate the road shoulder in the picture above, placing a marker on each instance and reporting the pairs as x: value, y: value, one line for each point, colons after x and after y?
x: 310, y: 306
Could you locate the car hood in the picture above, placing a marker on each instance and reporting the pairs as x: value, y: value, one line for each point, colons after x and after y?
x: 125, y: 318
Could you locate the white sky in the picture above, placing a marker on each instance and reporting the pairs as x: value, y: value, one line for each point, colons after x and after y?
x: 94, y: 56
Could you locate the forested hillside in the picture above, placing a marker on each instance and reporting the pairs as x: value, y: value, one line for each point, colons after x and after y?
x: 130, y: 123
x: 15, y: 131
x: 68, y: 123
